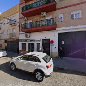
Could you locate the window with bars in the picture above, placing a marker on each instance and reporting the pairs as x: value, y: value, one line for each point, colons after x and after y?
x: 61, y: 17
x: 23, y: 46
x: 76, y: 14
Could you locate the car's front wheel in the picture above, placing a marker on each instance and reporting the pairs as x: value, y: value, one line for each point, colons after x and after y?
x: 39, y: 76
x: 12, y: 66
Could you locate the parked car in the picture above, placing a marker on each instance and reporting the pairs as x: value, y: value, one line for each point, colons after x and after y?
x: 38, y: 63
x: 3, y: 53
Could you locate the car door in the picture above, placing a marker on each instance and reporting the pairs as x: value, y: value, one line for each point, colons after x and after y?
x: 20, y: 62
x: 32, y: 63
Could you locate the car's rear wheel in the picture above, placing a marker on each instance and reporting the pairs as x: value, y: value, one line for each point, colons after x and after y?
x: 12, y: 66
x: 39, y: 76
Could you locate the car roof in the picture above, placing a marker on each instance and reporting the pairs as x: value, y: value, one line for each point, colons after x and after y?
x: 38, y: 54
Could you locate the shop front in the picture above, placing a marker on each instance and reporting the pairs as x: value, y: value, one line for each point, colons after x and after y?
x: 46, y: 41
x: 30, y: 45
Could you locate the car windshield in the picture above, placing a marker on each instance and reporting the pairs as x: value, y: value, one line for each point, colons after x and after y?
x: 46, y: 58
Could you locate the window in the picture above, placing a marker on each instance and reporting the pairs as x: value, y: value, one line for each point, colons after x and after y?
x: 12, y: 21
x: 46, y: 58
x: 30, y: 58
x: 30, y: 47
x: 25, y: 57
x: 36, y: 59
x: 29, y: 24
x: 61, y: 17
x: 76, y: 15
x: 23, y: 46
x: 38, y: 46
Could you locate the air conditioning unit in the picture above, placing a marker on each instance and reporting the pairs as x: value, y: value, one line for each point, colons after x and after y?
x: 43, y: 14
x: 27, y: 35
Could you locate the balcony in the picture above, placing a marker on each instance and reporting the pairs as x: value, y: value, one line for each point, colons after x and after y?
x: 37, y: 7
x: 27, y: 1
x: 38, y: 26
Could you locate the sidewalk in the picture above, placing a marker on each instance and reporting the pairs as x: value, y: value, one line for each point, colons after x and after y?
x: 71, y: 64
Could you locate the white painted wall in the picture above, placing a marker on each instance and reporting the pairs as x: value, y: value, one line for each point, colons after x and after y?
x: 52, y: 35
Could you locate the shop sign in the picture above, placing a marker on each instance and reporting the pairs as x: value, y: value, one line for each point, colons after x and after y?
x: 52, y: 42
x: 28, y: 40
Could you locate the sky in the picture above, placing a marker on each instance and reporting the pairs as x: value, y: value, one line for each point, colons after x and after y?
x: 7, y: 4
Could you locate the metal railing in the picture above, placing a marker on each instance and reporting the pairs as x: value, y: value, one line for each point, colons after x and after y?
x: 36, y: 4
x: 46, y: 22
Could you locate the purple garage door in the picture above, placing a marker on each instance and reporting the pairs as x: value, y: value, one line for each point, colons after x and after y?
x: 73, y: 44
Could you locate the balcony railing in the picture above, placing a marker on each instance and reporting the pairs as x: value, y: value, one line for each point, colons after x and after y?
x: 43, y: 25
x: 46, y: 22
x: 36, y: 4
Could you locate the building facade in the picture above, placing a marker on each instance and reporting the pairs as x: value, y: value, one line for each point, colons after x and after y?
x: 50, y: 24
x: 9, y: 29
x: 40, y: 22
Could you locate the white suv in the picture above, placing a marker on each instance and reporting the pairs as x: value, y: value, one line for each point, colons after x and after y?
x: 38, y: 63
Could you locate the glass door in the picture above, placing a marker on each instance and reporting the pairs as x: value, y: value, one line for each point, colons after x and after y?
x: 46, y: 46
x: 38, y: 46
x: 30, y: 47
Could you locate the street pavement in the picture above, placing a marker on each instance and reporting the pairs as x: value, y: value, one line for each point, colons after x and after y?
x: 59, y: 77
x: 73, y: 64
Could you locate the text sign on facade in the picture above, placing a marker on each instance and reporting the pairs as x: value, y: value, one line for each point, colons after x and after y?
x: 28, y: 40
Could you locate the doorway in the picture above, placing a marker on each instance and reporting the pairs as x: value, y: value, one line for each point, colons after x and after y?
x: 46, y: 46
x: 30, y: 47
x: 12, y: 46
x: 74, y: 44
x: 38, y: 47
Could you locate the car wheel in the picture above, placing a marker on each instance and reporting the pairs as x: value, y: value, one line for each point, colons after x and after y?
x: 39, y: 76
x: 12, y: 66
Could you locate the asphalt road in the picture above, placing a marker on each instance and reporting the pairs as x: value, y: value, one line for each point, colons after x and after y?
x: 20, y: 78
